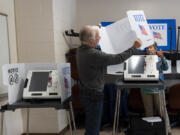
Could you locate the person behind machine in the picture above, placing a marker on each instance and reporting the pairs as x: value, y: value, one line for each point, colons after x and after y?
x: 154, y: 99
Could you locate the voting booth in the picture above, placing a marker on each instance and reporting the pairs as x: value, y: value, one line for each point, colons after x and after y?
x: 141, y: 68
x: 48, y: 75
x: 42, y: 84
x: 14, y: 76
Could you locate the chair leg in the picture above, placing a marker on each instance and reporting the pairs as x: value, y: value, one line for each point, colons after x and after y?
x: 2, y: 122
x: 69, y: 121
x: 177, y: 122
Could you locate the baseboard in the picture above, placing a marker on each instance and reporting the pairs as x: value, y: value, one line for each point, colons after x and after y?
x: 61, y: 133
x: 40, y: 134
x: 64, y: 130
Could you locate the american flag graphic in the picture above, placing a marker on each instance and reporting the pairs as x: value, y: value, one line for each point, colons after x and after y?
x: 143, y: 30
x: 157, y: 35
x: 66, y: 82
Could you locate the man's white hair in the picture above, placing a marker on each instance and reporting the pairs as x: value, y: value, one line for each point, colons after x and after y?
x: 86, y: 33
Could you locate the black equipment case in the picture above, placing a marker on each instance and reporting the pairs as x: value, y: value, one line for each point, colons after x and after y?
x: 141, y: 127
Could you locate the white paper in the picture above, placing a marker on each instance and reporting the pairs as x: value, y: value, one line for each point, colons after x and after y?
x: 139, y: 24
x: 115, y: 69
x: 152, y: 119
x: 105, y: 42
x: 117, y: 37
x: 178, y: 66
x: 169, y: 67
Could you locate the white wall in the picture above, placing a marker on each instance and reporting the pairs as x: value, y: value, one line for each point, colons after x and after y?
x: 94, y: 11
x: 34, y: 22
x: 7, y: 7
x: 40, y: 25
x: 64, y: 16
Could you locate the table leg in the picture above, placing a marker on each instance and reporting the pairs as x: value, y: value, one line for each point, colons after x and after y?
x: 160, y: 103
x: 2, y: 119
x: 69, y: 121
x: 118, y: 93
x: 115, y: 113
x: 164, y: 111
x: 72, y: 114
x: 118, y: 109
x: 27, y: 122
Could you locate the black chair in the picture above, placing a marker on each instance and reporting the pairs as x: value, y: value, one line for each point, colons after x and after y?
x: 135, y: 103
x: 174, y: 103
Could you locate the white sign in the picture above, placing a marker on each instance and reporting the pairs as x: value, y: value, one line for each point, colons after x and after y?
x: 120, y: 36
x: 139, y: 24
x: 159, y: 32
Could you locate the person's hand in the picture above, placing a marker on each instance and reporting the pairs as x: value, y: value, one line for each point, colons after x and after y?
x: 99, y: 25
x: 137, y: 43
x: 160, y: 54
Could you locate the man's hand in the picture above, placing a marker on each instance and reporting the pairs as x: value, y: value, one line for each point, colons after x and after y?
x: 99, y: 25
x: 137, y: 43
x: 160, y: 54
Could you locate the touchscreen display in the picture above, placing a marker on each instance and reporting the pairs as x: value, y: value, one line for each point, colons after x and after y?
x: 136, y: 65
x: 39, y: 81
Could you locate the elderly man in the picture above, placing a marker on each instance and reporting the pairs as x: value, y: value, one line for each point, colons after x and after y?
x: 92, y: 65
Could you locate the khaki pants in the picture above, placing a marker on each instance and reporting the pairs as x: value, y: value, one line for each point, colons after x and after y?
x: 158, y: 101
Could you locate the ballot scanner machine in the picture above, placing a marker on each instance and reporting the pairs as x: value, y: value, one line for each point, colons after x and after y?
x: 42, y: 84
x: 141, y: 68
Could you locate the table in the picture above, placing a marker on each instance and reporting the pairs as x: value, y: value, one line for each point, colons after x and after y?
x: 67, y: 105
x: 129, y: 84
